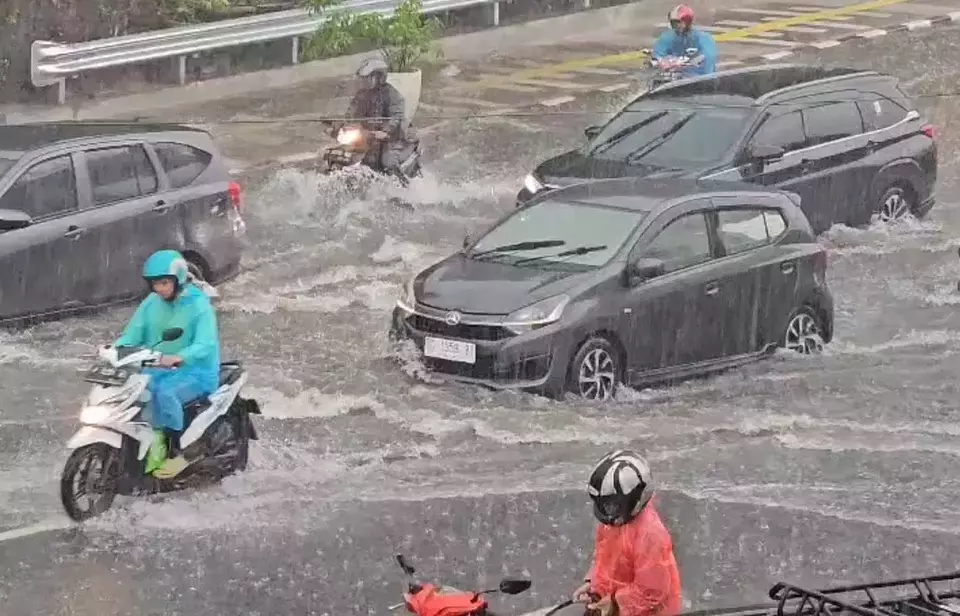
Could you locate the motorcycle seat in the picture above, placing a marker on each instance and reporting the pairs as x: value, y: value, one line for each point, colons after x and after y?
x: 230, y: 371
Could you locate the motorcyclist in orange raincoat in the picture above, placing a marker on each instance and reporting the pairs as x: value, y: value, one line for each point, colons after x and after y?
x: 634, y: 572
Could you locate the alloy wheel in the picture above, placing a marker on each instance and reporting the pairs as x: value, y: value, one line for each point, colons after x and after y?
x: 895, y: 207
x: 597, y: 376
x: 803, y: 335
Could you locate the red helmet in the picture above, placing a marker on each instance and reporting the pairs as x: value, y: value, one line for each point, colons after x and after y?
x: 682, y: 13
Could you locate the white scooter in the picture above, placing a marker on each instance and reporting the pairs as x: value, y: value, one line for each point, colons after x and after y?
x: 109, y: 451
x: 671, y: 68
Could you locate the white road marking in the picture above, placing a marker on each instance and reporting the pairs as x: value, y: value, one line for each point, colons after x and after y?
x: 750, y: 24
x: 615, y: 87
x: 34, y: 529
x: 839, y: 26
x: 729, y: 63
x: 556, y: 102
x: 777, y: 55
x: 871, y: 34
x: 596, y: 70
x: 753, y: 41
x: 954, y: 16
x: 765, y: 12
x: 825, y: 44
x: 919, y: 24
x: 560, y: 85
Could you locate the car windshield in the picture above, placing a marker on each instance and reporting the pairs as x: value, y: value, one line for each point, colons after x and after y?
x: 671, y: 134
x: 577, y: 235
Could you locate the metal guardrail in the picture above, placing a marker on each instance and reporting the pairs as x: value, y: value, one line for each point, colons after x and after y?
x: 53, y: 63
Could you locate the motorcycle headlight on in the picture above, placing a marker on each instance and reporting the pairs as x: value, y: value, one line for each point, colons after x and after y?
x: 96, y: 415
x: 348, y: 136
x: 536, y: 315
x: 407, y: 300
x: 532, y: 184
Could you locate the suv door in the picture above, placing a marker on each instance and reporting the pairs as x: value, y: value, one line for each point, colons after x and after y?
x: 124, y: 218
x: 672, y: 315
x: 761, y: 277
x: 36, y: 269
x: 784, y: 130
x: 834, y: 157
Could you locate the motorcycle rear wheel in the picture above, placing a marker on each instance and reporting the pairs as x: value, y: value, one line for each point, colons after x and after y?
x: 76, y: 480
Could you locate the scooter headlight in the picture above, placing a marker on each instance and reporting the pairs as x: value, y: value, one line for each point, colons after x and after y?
x: 95, y: 415
x: 348, y: 136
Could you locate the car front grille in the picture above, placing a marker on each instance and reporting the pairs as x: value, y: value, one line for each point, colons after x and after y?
x: 460, y: 330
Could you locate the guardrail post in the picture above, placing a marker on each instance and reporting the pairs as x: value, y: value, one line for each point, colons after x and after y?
x: 181, y: 70
x: 295, y: 50
x: 495, y: 13
x: 62, y: 92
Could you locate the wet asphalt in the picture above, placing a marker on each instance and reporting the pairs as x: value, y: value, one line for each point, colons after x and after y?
x: 835, y: 468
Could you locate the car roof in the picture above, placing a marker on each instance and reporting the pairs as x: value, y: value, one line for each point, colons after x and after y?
x: 753, y: 84
x: 642, y: 194
x: 26, y: 137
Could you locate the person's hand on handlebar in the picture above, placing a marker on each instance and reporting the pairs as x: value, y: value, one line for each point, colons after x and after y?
x: 582, y: 594
x: 169, y: 361
x: 603, y: 607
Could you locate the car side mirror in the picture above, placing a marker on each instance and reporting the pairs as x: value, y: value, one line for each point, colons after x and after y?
x: 764, y: 152
x: 644, y: 269
x: 14, y: 219
x: 169, y: 335
x: 591, y: 131
x: 514, y: 587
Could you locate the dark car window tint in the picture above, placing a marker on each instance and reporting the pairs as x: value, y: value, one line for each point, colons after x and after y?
x: 743, y: 229
x: 880, y: 113
x: 182, y: 163
x: 832, y: 121
x: 45, y: 189
x: 683, y: 243
x: 120, y: 173
x: 782, y: 131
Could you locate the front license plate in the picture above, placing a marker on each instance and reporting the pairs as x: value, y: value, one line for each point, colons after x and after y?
x: 451, y: 350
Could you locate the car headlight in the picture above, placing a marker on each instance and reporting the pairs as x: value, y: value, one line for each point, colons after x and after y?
x: 348, y: 136
x: 407, y: 300
x: 532, y: 184
x: 536, y: 315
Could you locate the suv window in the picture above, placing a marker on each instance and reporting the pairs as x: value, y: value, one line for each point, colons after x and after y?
x: 45, y: 189
x: 120, y: 173
x: 832, y: 121
x: 182, y: 163
x: 746, y: 228
x: 783, y: 131
x: 880, y: 112
x: 683, y: 243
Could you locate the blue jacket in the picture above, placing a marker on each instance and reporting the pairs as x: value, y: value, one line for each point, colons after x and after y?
x: 199, y: 346
x: 672, y: 44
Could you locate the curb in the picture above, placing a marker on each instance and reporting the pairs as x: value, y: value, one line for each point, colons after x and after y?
x: 910, y: 26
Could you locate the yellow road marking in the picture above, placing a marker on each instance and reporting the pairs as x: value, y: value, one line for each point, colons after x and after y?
x: 735, y: 35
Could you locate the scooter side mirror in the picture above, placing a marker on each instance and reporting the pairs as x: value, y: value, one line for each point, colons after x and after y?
x: 514, y: 586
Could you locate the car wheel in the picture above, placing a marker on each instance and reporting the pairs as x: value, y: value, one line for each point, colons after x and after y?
x: 804, y: 333
x: 894, y: 204
x: 595, y: 370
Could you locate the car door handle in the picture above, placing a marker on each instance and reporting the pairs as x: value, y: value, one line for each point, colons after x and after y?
x: 788, y: 267
x: 162, y: 207
x: 73, y: 232
x: 712, y: 289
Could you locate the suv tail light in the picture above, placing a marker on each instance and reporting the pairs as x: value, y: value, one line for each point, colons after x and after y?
x: 233, y: 189
x: 927, y: 129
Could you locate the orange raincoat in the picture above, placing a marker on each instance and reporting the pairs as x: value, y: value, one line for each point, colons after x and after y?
x: 635, y: 564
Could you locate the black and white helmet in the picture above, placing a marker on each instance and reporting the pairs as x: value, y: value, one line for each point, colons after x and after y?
x: 620, y: 485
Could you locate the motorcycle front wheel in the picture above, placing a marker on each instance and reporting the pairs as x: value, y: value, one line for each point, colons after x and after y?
x: 90, y: 475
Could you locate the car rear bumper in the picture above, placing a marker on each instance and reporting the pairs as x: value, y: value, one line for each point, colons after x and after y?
x: 536, y: 360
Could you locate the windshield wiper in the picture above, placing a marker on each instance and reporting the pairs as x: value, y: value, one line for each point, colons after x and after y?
x: 656, y: 143
x: 579, y: 250
x: 534, y: 245
x: 623, y: 133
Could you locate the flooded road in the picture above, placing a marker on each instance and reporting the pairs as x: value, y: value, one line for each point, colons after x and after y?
x: 840, y: 467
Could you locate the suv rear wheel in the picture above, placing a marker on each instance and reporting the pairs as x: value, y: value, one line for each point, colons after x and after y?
x: 894, y: 204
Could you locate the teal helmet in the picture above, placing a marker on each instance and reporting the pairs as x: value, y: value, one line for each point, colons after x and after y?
x: 166, y: 264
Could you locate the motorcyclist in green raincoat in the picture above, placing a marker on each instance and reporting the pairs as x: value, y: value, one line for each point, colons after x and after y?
x: 189, y: 368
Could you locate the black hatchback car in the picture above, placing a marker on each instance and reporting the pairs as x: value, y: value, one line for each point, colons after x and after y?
x: 626, y: 280
x: 83, y: 205
x: 847, y: 141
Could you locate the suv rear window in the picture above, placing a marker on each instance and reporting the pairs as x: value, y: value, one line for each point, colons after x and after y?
x: 880, y: 112
x: 746, y: 228
x: 182, y: 163
x: 832, y: 121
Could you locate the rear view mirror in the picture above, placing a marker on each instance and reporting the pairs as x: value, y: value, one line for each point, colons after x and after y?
x: 591, y: 131
x: 514, y: 587
x: 14, y: 219
x: 169, y: 335
x: 765, y: 152
x: 644, y: 269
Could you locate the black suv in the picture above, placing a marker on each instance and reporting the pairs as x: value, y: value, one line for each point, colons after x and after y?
x: 83, y: 205
x: 847, y: 141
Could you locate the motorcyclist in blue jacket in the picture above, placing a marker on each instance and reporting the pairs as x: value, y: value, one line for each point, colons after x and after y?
x: 189, y: 367
x: 682, y: 36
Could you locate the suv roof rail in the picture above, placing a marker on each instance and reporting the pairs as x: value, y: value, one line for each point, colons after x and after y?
x: 927, y: 601
x: 815, y: 82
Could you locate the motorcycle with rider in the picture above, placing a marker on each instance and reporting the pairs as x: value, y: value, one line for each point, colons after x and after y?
x: 682, y: 51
